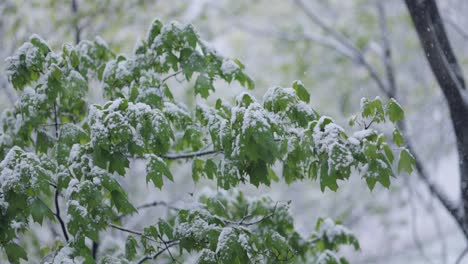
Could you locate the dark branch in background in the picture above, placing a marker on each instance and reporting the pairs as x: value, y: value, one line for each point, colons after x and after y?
x: 389, y: 90
x: 444, y: 65
x: 59, y: 218
x: 74, y: 8
x: 389, y: 71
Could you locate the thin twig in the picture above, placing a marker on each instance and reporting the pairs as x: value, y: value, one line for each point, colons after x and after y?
x: 153, y: 204
x: 261, y: 219
x: 190, y: 155
x: 357, y: 54
x: 74, y: 8
x: 157, y: 203
x: 121, y: 228
x: 414, y: 230
x: 387, y: 52
x: 169, y: 76
x: 59, y: 218
x: 145, y: 258
x: 167, y: 248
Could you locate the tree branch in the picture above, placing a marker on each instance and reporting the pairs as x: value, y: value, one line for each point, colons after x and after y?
x: 168, y: 77
x: 444, y: 65
x: 387, y: 52
x: 190, y: 155
x: 449, y: 205
x: 74, y: 8
x: 357, y: 55
x: 169, y: 245
x: 59, y: 218
x: 153, y: 204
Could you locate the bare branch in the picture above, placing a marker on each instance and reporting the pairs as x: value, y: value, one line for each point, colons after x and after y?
x: 316, y: 38
x: 261, y: 219
x: 392, y: 92
x: 157, y: 203
x: 413, y: 217
x: 168, y: 77
x: 59, y: 218
x: 138, y: 233
x: 74, y: 9
x: 449, y: 205
x: 387, y: 52
x: 190, y: 155
x: 357, y: 56
x: 243, y: 223
x: 169, y: 245
x: 152, y: 204
x: 166, y: 246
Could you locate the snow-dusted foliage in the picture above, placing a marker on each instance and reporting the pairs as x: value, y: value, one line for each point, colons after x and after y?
x: 56, y: 147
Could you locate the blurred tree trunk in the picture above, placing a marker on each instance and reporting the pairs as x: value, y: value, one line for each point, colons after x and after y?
x: 444, y: 65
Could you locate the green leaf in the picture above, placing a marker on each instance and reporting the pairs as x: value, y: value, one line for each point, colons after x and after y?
x: 397, y: 137
x: 272, y: 175
x: 118, y: 163
x: 394, y: 111
x: 39, y: 210
x: 74, y: 59
x: 204, y: 85
x: 15, y: 252
x: 373, y: 109
x: 154, y: 30
x: 198, y: 166
x: 388, y: 152
x: 151, y: 231
x: 406, y: 162
x: 130, y: 247
x: 156, y: 169
x: 211, y: 169
x: 43, y: 141
x: 166, y: 229
x: 301, y: 91
x: 123, y: 205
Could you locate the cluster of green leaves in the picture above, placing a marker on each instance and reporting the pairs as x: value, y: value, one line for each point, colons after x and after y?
x: 227, y: 228
x: 77, y: 152
x: 377, y: 155
x: 168, y: 47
